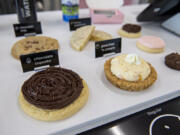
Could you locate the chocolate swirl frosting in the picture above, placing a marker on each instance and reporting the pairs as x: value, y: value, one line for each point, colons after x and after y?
x: 53, y: 88
x: 131, y: 28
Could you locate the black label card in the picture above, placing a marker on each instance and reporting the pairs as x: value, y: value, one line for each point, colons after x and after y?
x: 77, y: 23
x: 35, y: 61
x: 27, y: 29
x: 107, y: 47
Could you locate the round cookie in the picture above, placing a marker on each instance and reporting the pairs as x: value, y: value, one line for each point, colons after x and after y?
x: 53, y: 94
x: 130, y: 31
x: 99, y: 35
x: 173, y: 61
x: 130, y: 85
x: 151, y: 44
x: 33, y: 45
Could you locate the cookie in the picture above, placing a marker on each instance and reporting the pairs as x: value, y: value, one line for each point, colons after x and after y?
x: 53, y: 94
x: 99, y: 35
x: 130, y: 31
x: 33, y: 45
x: 173, y: 61
x: 81, y: 36
x: 151, y: 44
x: 130, y: 85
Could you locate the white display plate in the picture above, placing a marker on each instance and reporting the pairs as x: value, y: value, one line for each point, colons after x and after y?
x: 105, y: 100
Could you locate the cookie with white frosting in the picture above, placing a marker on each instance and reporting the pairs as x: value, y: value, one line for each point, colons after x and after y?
x: 130, y: 72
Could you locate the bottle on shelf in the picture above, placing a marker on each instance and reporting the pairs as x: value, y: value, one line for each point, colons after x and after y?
x: 70, y: 9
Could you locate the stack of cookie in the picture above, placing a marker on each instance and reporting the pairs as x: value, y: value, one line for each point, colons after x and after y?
x: 83, y: 34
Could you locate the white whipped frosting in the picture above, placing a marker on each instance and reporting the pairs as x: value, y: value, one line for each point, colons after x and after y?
x: 130, y: 67
x: 133, y: 58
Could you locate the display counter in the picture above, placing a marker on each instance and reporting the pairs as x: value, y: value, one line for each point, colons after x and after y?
x: 106, y: 102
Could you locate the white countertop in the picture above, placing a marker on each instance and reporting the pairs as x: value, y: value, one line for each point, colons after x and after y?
x: 106, y: 102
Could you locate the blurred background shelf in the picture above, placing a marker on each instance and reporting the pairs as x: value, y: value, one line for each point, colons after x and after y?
x: 8, y: 6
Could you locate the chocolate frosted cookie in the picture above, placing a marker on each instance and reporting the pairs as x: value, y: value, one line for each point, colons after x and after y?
x: 33, y: 45
x: 131, y: 28
x: 53, y: 94
x: 130, y: 31
x: 173, y: 61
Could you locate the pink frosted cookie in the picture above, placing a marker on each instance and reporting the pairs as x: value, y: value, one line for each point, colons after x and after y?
x: 151, y: 44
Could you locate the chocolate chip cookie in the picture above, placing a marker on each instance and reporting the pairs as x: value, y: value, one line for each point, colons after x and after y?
x: 33, y: 45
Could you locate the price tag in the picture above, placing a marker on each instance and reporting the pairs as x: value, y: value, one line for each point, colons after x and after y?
x: 77, y: 23
x: 27, y: 29
x: 36, y: 61
x: 107, y: 47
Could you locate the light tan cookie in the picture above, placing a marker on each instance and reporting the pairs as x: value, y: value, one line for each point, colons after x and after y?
x: 58, y: 114
x: 151, y: 44
x: 81, y: 36
x: 150, y: 50
x: 129, y: 85
x: 33, y: 44
x: 128, y: 35
x: 99, y: 35
x: 130, y: 30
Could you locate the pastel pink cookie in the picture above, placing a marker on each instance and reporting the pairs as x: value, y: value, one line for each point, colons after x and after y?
x: 152, y: 42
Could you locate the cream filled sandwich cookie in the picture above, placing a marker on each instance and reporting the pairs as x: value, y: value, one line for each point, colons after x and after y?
x: 130, y: 72
x: 130, y: 31
x: 151, y: 44
x: 81, y: 36
x: 53, y: 94
x: 99, y: 35
x: 33, y: 44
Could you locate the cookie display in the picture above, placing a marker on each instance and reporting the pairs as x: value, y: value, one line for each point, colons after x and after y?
x: 130, y: 31
x: 33, y: 44
x: 130, y: 72
x: 173, y: 61
x: 53, y: 94
x: 151, y: 44
x: 99, y: 35
x: 81, y: 36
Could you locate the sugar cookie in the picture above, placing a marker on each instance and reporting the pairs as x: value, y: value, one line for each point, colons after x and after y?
x: 53, y: 94
x: 130, y: 31
x: 151, y: 44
